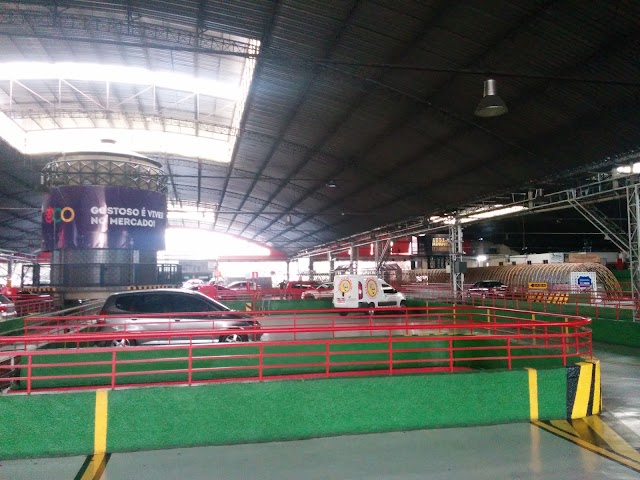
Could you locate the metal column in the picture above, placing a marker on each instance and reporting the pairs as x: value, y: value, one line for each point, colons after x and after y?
x: 633, y: 214
x: 376, y: 253
x: 332, y: 266
x: 455, y: 260
x: 353, y: 254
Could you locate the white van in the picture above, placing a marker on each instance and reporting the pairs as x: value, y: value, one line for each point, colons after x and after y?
x: 362, y: 291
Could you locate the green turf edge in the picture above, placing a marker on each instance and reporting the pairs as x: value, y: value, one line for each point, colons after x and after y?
x: 46, y: 425
x: 13, y: 324
x: 287, y: 410
x: 230, y: 413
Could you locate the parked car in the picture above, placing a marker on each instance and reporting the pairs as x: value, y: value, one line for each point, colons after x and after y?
x: 243, y: 285
x: 323, y: 291
x: 7, y: 309
x: 297, y: 288
x: 218, y: 292
x: 192, y: 282
x: 488, y: 288
x: 155, y: 305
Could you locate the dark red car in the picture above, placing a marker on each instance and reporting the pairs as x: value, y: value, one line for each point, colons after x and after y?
x: 294, y: 290
x: 218, y: 292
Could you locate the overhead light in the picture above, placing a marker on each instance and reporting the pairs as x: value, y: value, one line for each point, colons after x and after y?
x: 635, y: 168
x: 491, y: 104
x: 497, y: 211
x: 481, y: 258
x: 331, y: 184
x: 289, y: 219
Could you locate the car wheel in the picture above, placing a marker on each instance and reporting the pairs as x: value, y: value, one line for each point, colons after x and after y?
x: 343, y: 314
x: 403, y: 304
x: 372, y: 307
x: 234, y: 338
x: 122, y: 342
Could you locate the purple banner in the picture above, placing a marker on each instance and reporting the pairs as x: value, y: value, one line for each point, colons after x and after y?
x: 99, y: 216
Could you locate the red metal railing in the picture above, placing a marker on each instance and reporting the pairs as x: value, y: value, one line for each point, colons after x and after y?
x: 30, y: 304
x: 320, y: 344
x: 560, y: 301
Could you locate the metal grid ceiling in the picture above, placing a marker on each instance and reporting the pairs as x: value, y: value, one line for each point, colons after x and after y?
x: 376, y: 96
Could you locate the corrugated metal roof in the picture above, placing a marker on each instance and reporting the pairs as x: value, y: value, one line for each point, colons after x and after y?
x: 377, y: 96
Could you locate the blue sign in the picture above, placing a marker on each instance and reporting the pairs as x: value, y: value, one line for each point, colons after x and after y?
x: 98, y: 216
x: 584, y: 281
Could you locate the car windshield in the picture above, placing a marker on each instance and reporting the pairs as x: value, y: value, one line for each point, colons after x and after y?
x: 4, y: 299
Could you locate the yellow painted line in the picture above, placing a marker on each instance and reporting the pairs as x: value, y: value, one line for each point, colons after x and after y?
x: 593, y: 448
x: 587, y: 434
x: 581, y: 402
x: 615, y: 441
x: 100, y: 435
x: 533, y: 393
x: 95, y: 468
x: 565, y: 426
x: 597, y: 400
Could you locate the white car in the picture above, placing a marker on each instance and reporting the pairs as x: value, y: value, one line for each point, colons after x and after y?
x: 243, y: 285
x: 323, y: 291
x: 192, y: 282
x: 7, y: 309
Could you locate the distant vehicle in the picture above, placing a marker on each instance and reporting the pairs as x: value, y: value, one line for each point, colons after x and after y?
x: 192, y: 282
x: 362, y: 291
x: 243, y: 285
x: 218, y: 292
x: 156, y: 304
x: 323, y: 291
x: 488, y: 288
x: 7, y: 309
x: 296, y: 289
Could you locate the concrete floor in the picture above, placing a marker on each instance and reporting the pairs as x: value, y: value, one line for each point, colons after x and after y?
x: 513, y: 451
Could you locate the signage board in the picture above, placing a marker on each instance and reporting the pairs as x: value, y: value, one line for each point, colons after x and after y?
x: 538, y: 285
x: 583, y: 281
x: 100, y: 216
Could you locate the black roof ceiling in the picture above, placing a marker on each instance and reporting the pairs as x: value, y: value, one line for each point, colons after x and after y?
x: 376, y: 96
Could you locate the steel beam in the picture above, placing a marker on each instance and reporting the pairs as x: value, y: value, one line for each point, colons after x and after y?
x: 455, y: 260
x: 633, y: 215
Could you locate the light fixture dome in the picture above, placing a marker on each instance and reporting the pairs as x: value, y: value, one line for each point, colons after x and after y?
x: 491, y: 104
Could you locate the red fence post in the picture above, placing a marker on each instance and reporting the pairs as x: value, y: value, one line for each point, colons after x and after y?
x: 295, y: 328
x: 451, y: 355
x: 509, y: 353
x: 29, y: 364
x: 190, y: 362
x: 390, y: 352
x: 326, y: 359
x: 333, y: 325
x: 406, y: 321
x: 260, y: 362
x: 113, y: 369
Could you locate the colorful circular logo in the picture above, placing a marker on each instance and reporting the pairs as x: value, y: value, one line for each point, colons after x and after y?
x: 372, y: 287
x: 57, y: 215
x: 345, y: 285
